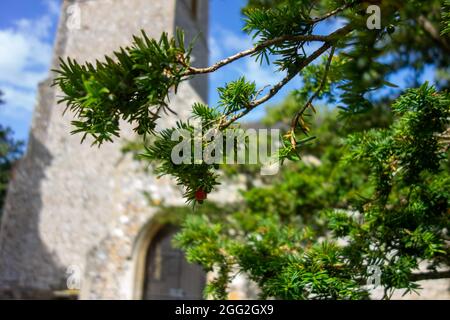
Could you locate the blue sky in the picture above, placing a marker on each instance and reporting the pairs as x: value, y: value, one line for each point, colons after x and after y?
x: 227, y: 38
x: 27, y: 32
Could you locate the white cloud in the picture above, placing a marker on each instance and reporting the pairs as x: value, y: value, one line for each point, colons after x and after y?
x: 224, y: 43
x: 17, y: 100
x: 25, y: 55
x: 261, y: 74
x: 22, y: 59
x: 235, y: 42
x: 39, y: 28
x: 215, y: 51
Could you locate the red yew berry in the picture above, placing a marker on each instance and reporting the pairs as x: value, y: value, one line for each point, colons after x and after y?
x: 200, y: 195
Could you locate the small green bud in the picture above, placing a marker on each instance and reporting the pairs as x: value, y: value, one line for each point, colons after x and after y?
x: 390, y: 29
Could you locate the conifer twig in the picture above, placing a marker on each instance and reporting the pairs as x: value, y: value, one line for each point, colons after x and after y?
x: 318, y: 38
x: 277, y: 87
x: 430, y: 275
x: 308, y: 104
x: 331, y: 13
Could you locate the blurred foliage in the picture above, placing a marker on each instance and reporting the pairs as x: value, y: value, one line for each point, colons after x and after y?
x: 378, y: 197
x: 10, y: 151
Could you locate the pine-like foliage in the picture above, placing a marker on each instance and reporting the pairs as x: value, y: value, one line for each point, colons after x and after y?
x: 133, y: 86
x: 316, y: 232
x: 446, y: 17
x: 201, y: 176
x: 378, y: 198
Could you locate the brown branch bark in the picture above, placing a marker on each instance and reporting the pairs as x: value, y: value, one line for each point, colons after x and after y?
x: 277, y: 87
x: 312, y: 98
x: 430, y: 275
x: 331, y: 13
x: 274, y: 90
x: 433, y: 32
x: 261, y: 46
x: 433, y: 275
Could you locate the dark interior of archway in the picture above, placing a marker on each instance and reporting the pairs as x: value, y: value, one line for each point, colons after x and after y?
x: 167, y: 273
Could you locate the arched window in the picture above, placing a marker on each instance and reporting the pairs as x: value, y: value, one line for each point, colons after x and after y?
x: 167, y: 273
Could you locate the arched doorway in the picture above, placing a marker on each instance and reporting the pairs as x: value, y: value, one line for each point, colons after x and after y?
x: 167, y: 273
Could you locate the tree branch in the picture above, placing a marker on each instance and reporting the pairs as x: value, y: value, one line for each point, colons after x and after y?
x: 274, y: 90
x: 430, y: 275
x: 277, y: 87
x: 263, y: 45
x: 311, y: 99
x: 331, y: 13
x: 434, y: 275
x: 433, y: 32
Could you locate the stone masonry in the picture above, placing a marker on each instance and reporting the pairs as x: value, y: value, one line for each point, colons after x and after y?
x: 70, y: 204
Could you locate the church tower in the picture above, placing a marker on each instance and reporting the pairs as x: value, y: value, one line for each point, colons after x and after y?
x: 76, y: 216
